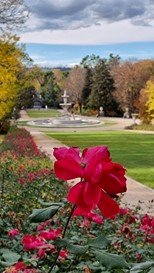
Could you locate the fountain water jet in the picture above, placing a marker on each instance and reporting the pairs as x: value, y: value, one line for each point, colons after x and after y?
x: 67, y: 120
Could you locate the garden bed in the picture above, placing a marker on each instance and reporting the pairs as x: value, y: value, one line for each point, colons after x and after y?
x: 39, y: 243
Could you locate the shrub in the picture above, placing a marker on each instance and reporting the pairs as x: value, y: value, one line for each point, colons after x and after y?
x: 4, y: 126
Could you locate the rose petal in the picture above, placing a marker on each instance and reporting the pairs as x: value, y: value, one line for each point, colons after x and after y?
x: 60, y: 153
x: 92, y: 194
x: 67, y: 169
x: 107, y: 206
x: 67, y: 153
x: 76, y: 196
x: 96, y: 151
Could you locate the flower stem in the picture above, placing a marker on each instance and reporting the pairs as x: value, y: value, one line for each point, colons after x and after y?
x: 63, y: 235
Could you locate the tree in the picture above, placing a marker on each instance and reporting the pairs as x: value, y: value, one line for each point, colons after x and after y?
x: 130, y: 79
x: 48, y: 91
x: 86, y: 91
x: 13, y: 14
x: 11, y: 57
x: 31, y: 79
x: 150, y: 101
x: 102, y: 88
x: 143, y: 114
x: 90, y: 61
x: 74, y: 83
x: 113, y: 61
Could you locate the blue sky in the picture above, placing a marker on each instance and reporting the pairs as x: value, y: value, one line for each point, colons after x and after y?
x: 69, y: 55
x: 62, y: 32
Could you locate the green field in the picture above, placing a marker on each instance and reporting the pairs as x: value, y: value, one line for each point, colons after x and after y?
x: 43, y: 113
x: 133, y: 150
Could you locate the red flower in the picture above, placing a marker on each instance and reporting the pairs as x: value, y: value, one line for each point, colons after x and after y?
x: 50, y: 234
x: 13, y: 232
x: 91, y: 216
x: 21, y: 180
x: 146, y: 221
x: 101, y: 179
x: 31, y: 242
x: 63, y: 254
x: 20, y: 266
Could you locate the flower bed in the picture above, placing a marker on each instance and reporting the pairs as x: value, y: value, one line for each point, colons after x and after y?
x: 85, y: 232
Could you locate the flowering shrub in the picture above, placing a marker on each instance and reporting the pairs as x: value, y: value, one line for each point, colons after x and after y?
x: 25, y: 180
x: 20, y: 142
x: 86, y: 232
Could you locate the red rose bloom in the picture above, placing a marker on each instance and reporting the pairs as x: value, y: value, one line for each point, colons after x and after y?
x: 101, y: 179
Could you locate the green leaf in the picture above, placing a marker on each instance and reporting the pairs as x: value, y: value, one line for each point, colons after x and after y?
x: 99, y: 242
x: 151, y: 270
x: 41, y: 215
x: 10, y: 257
x: 111, y: 260
x: 62, y: 242
x: 76, y: 249
x: 141, y: 266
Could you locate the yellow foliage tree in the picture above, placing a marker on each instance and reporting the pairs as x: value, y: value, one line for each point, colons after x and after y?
x: 11, y: 56
x: 150, y: 100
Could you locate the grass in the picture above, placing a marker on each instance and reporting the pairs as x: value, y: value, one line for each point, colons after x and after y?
x: 43, y: 113
x: 135, y: 151
x: 145, y: 127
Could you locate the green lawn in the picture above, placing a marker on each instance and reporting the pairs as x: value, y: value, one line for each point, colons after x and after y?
x: 43, y: 113
x: 134, y: 150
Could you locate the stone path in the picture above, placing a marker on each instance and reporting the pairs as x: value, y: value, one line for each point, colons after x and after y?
x: 136, y: 192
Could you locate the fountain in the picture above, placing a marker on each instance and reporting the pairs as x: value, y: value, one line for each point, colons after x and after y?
x: 67, y: 120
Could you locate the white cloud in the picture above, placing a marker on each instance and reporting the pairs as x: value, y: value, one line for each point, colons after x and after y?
x: 89, y: 21
x: 118, y: 32
x: 58, y: 63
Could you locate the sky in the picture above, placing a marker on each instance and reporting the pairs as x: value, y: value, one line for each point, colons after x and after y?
x: 62, y: 32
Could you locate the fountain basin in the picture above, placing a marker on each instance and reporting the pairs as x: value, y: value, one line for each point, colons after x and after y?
x: 64, y: 122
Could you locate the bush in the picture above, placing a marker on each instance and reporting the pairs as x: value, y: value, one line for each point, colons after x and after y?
x: 4, y: 126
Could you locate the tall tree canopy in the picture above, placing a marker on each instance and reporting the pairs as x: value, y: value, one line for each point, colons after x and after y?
x: 49, y: 92
x: 13, y: 14
x: 150, y: 101
x: 130, y: 78
x: 74, y: 83
x: 102, y: 88
x: 11, y: 57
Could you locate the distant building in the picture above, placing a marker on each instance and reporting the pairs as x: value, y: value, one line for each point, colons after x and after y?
x: 37, y: 103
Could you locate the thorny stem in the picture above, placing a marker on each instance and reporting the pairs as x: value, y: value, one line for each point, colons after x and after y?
x: 63, y: 235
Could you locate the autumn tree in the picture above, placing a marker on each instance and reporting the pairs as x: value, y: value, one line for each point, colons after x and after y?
x: 31, y: 78
x: 143, y: 113
x: 102, y: 88
x: 113, y: 61
x: 149, y: 90
x: 74, y: 84
x: 130, y: 79
x: 11, y: 57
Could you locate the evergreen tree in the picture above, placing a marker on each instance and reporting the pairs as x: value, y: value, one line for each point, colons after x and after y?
x: 48, y: 90
x: 102, y: 88
x: 87, y: 87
